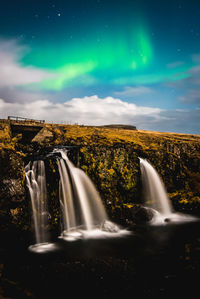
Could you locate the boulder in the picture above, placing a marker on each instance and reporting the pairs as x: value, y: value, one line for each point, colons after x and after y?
x: 109, y: 226
x: 143, y: 215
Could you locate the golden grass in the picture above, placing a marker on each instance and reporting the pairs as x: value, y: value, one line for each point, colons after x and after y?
x: 110, y: 136
x: 5, y: 137
x: 88, y: 135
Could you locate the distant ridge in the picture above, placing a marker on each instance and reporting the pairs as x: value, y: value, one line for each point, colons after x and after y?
x: 119, y: 126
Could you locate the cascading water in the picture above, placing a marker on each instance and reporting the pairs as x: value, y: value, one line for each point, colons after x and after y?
x: 154, y: 190
x: 83, y: 214
x: 36, y: 183
x: 156, y: 196
x: 66, y: 198
x: 77, y: 188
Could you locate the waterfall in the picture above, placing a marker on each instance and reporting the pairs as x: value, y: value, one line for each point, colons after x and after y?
x: 82, y: 211
x: 36, y: 183
x: 66, y: 197
x: 154, y: 189
x: 76, y: 187
x: 156, y: 196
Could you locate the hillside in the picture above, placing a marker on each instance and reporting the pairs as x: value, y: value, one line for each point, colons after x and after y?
x: 110, y: 157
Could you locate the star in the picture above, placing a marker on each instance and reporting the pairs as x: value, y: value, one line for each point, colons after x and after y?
x: 59, y: 14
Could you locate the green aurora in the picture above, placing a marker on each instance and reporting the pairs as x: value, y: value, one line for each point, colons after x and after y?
x: 123, y: 56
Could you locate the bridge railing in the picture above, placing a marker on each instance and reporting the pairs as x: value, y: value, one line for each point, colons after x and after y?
x: 24, y: 120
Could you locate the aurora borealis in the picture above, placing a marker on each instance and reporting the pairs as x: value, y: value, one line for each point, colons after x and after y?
x: 143, y: 53
x: 107, y: 56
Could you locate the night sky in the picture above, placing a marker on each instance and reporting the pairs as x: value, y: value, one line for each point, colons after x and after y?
x: 101, y: 62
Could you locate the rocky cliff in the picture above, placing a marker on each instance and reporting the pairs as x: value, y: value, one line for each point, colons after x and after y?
x: 110, y: 157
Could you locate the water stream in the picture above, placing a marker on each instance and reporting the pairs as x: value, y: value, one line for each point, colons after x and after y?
x: 36, y: 183
x: 82, y: 212
x: 81, y: 205
x: 156, y: 196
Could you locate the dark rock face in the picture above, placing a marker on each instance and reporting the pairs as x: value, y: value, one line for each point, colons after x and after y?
x: 114, y: 171
x: 14, y: 206
x: 13, y: 188
x: 113, y: 166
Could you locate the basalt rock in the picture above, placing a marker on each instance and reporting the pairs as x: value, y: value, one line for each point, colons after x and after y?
x: 143, y: 215
x: 109, y: 226
x: 110, y: 158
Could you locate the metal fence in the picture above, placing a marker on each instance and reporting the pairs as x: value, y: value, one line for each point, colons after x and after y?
x: 24, y: 120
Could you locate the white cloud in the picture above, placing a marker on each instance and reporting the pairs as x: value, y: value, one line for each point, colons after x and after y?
x: 88, y: 110
x: 96, y: 111
x: 133, y: 91
x: 192, y: 96
x: 12, y: 73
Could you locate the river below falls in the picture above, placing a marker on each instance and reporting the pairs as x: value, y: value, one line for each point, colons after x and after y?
x: 150, y: 262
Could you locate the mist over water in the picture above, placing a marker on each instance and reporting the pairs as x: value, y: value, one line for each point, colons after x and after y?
x: 83, y: 215
x: 92, y: 252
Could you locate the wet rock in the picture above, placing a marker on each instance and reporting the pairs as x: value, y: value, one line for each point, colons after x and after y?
x: 167, y: 220
x: 109, y: 226
x: 143, y: 215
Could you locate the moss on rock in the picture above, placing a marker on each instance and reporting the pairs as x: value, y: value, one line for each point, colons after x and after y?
x: 110, y: 158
